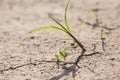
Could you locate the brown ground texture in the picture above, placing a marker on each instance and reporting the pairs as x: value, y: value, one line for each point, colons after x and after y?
x: 23, y: 56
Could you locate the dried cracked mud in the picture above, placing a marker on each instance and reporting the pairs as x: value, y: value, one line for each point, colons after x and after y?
x: 22, y: 55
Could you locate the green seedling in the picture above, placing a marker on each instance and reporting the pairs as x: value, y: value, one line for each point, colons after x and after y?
x: 64, y: 28
x: 102, y: 39
x: 98, y: 23
x: 63, y: 54
x: 57, y: 56
x: 101, y: 34
x: 93, y: 12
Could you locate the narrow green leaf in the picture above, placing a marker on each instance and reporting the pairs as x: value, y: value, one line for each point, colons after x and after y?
x: 46, y: 27
x: 101, y: 33
x: 58, y: 23
x: 68, y: 38
x: 65, y: 17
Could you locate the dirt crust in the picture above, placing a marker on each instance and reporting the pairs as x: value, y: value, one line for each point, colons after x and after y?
x: 31, y: 56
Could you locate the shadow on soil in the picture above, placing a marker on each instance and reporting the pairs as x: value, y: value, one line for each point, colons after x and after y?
x: 67, y: 70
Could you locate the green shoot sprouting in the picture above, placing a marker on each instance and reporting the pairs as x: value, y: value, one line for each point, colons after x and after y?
x: 93, y: 12
x: 65, y: 17
x: 63, y: 54
x: 65, y: 29
x: 101, y: 34
x: 102, y: 39
x: 57, y: 56
x: 46, y: 27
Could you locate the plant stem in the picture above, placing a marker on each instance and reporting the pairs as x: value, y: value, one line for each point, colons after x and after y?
x: 58, y: 63
x: 103, y: 43
x: 76, y: 40
x: 80, y: 45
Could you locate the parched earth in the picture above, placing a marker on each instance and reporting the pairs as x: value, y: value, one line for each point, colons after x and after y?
x: 31, y: 56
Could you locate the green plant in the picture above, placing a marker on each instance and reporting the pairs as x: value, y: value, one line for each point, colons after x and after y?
x: 65, y: 29
x: 93, y: 12
x: 98, y: 23
x: 63, y: 54
x: 101, y: 34
x: 102, y: 39
x: 57, y: 56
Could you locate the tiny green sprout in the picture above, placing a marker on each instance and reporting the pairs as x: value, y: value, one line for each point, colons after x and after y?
x: 93, y: 12
x: 102, y: 39
x: 63, y: 54
x: 101, y: 34
x: 57, y: 56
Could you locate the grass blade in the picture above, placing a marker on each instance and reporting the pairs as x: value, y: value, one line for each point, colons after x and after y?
x: 58, y: 23
x: 65, y: 17
x: 46, y: 27
x: 101, y: 34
